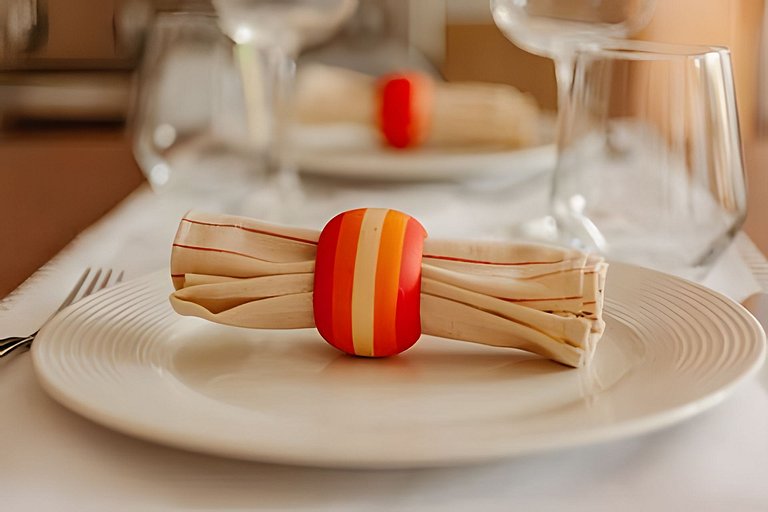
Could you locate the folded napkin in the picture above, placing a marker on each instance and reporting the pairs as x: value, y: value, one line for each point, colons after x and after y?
x: 419, y: 109
x: 246, y: 273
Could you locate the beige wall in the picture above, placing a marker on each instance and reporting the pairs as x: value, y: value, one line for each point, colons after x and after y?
x: 480, y: 52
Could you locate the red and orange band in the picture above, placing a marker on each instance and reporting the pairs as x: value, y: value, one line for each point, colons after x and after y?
x: 368, y: 282
x: 405, y: 103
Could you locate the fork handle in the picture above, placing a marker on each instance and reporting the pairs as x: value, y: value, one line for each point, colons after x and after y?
x: 8, y: 345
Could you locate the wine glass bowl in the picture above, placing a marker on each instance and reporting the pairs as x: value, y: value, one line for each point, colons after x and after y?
x: 552, y: 27
x: 290, y: 24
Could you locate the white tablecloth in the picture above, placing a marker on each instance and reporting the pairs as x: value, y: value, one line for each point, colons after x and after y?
x: 52, y: 459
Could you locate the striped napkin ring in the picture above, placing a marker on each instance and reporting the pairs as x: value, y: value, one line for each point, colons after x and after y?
x: 367, y: 284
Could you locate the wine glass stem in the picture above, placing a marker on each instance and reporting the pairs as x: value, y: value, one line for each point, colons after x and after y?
x: 564, y: 78
x: 267, y: 73
x: 564, y: 63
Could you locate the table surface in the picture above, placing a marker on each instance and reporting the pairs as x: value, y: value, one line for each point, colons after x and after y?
x: 56, y: 460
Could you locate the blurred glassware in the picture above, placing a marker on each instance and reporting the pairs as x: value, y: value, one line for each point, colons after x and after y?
x: 268, y: 36
x: 289, y: 24
x: 650, y: 164
x: 375, y: 41
x: 556, y: 28
x: 190, y: 129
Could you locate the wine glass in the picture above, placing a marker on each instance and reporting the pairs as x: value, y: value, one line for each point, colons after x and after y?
x: 650, y: 166
x: 556, y: 29
x: 268, y: 36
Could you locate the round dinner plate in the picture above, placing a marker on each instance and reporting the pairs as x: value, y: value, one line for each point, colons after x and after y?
x: 353, y: 152
x: 124, y: 359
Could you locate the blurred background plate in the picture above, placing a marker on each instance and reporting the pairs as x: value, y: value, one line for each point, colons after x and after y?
x: 354, y: 151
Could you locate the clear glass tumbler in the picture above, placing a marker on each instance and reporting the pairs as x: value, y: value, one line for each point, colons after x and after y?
x: 650, y: 163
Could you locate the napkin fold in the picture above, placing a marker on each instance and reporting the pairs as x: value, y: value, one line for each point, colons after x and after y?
x: 247, y: 273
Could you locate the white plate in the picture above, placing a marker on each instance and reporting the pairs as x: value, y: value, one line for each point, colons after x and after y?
x: 349, y: 151
x: 123, y: 359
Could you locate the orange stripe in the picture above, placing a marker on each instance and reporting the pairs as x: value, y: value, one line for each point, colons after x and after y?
x: 387, y: 284
x: 343, y: 277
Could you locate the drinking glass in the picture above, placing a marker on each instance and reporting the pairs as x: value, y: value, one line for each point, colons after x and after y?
x: 650, y: 165
x: 189, y: 126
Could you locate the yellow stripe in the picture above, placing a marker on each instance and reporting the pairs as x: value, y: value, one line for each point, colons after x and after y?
x: 364, y: 283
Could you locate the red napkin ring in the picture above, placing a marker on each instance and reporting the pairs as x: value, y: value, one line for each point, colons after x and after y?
x: 405, y: 102
x: 367, y: 284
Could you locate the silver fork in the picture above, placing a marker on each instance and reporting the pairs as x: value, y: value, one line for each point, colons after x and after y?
x: 81, y: 290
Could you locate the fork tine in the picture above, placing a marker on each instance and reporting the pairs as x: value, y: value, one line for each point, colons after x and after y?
x: 105, y: 281
x: 81, y: 290
x: 92, y: 284
x: 73, y: 293
x: 120, y: 277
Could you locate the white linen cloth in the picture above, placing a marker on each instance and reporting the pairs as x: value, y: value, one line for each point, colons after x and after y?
x: 52, y: 459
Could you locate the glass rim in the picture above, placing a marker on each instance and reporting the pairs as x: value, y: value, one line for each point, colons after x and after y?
x: 648, y: 50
